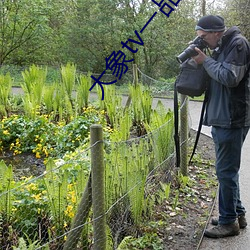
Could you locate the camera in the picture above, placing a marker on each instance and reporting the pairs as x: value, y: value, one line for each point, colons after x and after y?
x: 190, y: 51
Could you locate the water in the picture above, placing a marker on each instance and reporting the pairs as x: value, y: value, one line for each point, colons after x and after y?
x: 24, y: 165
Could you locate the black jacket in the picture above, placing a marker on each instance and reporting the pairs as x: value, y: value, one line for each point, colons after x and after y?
x: 229, y: 90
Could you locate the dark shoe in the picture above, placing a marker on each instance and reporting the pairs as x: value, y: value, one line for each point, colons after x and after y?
x: 241, y: 219
x: 221, y: 231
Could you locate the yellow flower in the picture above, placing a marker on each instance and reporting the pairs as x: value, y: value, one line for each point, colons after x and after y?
x: 69, y: 211
x: 45, y: 151
x: 103, y: 112
x: 73, y: 199
x: 6, y: 132
x: 37, y: 196
x: 14, y: 209
x: 31, y: 187
x: 38, y: 156
x: 17, y: 152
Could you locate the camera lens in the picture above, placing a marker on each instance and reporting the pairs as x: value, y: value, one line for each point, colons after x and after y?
x: 190, y: 50
x: 187, y: 53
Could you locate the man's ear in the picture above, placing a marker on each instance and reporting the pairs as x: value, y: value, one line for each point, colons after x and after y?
x: 219, y: 34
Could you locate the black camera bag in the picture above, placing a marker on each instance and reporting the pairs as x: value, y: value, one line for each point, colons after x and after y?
x: 192, y: 80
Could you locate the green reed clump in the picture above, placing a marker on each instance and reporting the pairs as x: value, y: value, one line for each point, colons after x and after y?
x: 5, y: 90
x: 34, y: 80
x: 82, y: 97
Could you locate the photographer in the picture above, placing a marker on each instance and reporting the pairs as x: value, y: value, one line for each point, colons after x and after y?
x: 228, y: 112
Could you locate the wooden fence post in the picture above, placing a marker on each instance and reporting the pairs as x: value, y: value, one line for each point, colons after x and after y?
x: 184, y: 135
x: 135, y: 74
x: 98, y: 194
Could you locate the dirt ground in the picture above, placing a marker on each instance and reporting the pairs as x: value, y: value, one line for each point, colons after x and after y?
x: 187, y: 223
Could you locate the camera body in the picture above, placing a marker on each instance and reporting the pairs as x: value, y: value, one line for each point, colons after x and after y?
x: 190, y: 51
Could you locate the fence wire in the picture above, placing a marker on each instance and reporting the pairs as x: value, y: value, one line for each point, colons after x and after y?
x: 43, y: 210
x: 158, y: 87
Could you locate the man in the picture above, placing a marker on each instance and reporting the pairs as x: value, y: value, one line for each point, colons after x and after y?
x: 228, y: 112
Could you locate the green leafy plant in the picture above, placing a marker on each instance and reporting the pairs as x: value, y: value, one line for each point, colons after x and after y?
x: 126, y: 174
x: 176, y: 199
x: 82, y: 98
x: 121, y: 131
x: 43, y: 137
x: 48, y: 98
x: 56, y: 187
x: 22, y: 245
x: 5, y: 90
x: 161, y: 126
x: 184, y: 181
x: 147, y: 241
x: 30, y: 208
x: 141, y: 103
x: 33, y: 85
x: 68, y: 74
x: 6, y: 204
x: 6, y: 184
x: 164, y: 191
x: 114, y: 107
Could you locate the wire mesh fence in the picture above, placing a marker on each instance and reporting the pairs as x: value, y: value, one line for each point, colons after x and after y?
x: 158, y: 87
x: 56, y: 209
x: 46, y: 210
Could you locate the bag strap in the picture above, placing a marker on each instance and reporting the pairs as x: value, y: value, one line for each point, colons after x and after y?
x: 201, y: 118
x: 176, y: 126
x: 199, y: 127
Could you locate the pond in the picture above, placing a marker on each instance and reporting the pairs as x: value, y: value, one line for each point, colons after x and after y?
x: 25, y: 164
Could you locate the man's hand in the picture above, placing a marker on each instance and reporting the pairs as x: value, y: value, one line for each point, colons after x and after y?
x: 200, y: 58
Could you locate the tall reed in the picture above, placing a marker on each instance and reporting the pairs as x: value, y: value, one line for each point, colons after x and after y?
x: 56, y: 184
x: 112, y: 105
x: 48, y: 98
x: 33, y: 86
x: 161, y: 128
x: 6, y: 196
x: 62, y: 106
x: 68, y: 74
x: 126, y: 172
x: 82, y: 94
x: 5, y: 90
x: 141, y: 103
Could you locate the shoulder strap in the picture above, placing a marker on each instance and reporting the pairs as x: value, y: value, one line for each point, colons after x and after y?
x: 199, y: 127
x: 176, y: 127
